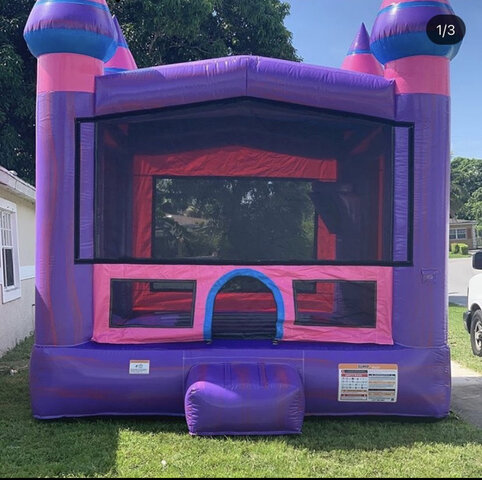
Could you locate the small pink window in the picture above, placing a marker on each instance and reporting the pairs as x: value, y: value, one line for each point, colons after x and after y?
x: 152, y: 303
x: 335, y: 303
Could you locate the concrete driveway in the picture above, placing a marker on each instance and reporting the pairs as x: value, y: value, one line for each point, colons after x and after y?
x: 459, y: 273
x: 466, y: 394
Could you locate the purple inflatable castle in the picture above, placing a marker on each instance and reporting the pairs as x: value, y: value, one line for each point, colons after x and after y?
x: 242, y: 241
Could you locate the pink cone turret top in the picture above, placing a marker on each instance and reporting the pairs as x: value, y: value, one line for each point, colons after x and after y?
x: 360, y: 57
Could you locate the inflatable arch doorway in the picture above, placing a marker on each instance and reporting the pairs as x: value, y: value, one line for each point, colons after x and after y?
x: 244, y: 272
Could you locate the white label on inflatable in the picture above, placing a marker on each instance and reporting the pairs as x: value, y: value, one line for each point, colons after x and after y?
x: 367, y: 382
x: 139, y: 367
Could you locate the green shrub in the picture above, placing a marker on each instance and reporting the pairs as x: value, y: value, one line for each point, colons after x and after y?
x: 459, y: 248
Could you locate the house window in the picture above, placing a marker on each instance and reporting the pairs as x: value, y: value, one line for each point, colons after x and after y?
x: 9, y: 266
x: 458, y: 234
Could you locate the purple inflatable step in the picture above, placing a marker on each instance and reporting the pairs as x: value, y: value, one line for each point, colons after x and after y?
x: 244, y: 399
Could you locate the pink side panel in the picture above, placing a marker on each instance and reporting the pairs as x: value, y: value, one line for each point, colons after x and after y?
x: 236, y: 161
x: 67, y: 72
x: 142, y: 215
x: 207, y: 275
x: 363, y: 63
x: 420, y: 74
x: 122, y: 59
x: 145, y: 300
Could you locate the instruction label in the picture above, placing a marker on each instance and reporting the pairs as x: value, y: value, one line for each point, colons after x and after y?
x: 139, y: 367
x: 367, y: 382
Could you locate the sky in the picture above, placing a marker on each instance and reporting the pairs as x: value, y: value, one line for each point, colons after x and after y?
x: 323, y: 30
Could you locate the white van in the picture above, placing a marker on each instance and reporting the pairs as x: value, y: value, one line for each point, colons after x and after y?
x: 473, y: 316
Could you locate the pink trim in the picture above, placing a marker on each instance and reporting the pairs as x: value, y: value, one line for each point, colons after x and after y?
x: 67, y: 72
x: 387, y: 3
x: 234, y: 161
x: 207, y: 275
x: 363, y: 63
x: 231, y: 161
x: 420, y: 74
x: 102, y: 2
x: 122, y: 59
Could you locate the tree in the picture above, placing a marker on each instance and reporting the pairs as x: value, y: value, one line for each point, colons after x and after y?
x: 466, y: 178
x: 473, y: 207
x: 170, y: 31
x: 17, y: 87
x: 159, y: 32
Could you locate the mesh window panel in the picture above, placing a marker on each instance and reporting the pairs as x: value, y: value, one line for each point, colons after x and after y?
x: 246, y: 309
x: 152, y: 303
x: 239, y: 219
x: 85, y: 181
x: 243, y: 181
x: 403, y: 194
x: 335, y: 303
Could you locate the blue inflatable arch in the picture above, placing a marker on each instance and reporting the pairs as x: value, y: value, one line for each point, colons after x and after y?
x: 244, y: 272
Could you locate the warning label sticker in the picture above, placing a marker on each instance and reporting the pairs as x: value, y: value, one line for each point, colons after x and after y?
x: 367, y: 382
x: 139, y: 367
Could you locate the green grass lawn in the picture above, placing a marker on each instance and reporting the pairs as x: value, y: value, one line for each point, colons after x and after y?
x: 136, y: 447
x: 458, y: 255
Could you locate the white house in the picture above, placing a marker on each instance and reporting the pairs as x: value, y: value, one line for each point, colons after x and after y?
x: 17, y: 259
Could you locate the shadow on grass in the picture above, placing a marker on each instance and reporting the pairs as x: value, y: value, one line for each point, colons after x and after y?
x: 31, y: 448
x: 325, y: 434
x: 90, y: 447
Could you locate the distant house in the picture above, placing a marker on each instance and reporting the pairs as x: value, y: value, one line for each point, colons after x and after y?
x: 17, y: 259
x: 463, y: 231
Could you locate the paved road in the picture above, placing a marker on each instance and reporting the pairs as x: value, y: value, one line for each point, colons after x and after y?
x: 459, y: 274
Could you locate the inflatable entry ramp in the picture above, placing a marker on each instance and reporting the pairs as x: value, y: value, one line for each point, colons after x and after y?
x: 244, y: 399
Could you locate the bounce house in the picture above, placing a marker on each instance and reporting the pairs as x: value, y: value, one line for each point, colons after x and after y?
x: 242, y: 241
